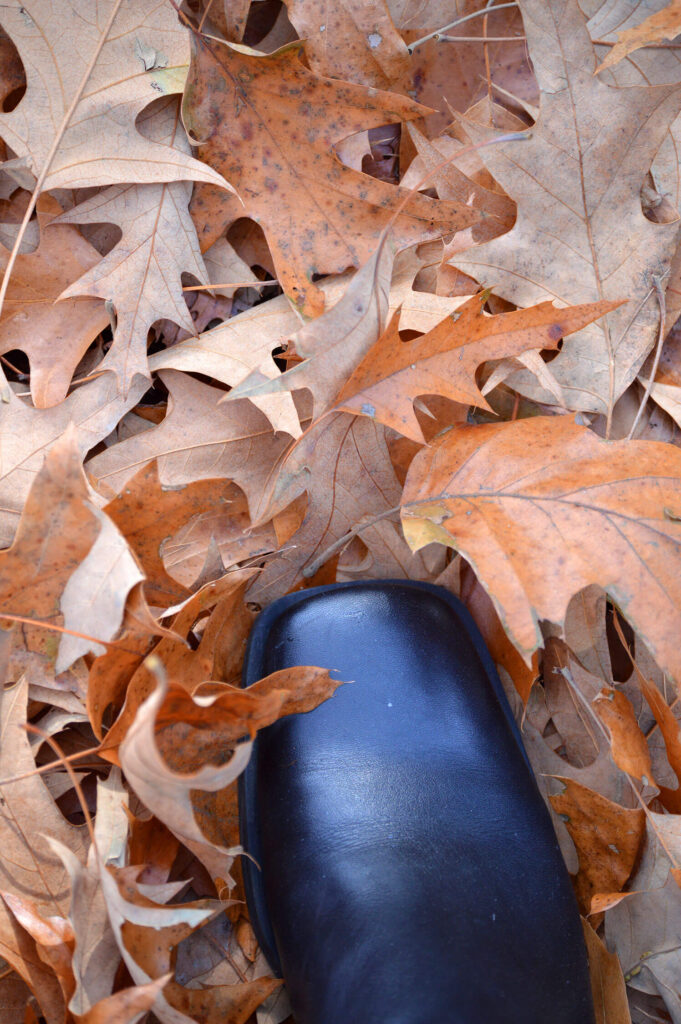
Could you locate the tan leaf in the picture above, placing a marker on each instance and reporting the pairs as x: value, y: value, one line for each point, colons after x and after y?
x: 238, y: 348
x: 168, y: 793
x: 627, y: 742
x: 67, y: 558
x: 607, y: 837
x: 142, y: 275
x: 278, y: 154
x: 496, y: 492
x: 664, y: 24
x: 351, y: 452
x: 228, y: 527
x: 28, y: 434
x: 607, y: 982
x: 580, y: 235
x: 333, y: 344
x: 148, y: 514
x: 643, y: 928
x: 443, y: 362
x: 143, y: 55
x: 452, y: 183
x: 28, y: 868
x: 54, y: 335
x: 201, y: 438
x: 179, y: 748
x: 354, y: 41
x: 218, y: 655
x: 125, y: 1006
x: 147, y: 934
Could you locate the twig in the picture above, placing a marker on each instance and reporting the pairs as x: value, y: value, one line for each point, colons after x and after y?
x: 72, y: 775
x: 62, y: 629
x: 51, y: 766
x: 657, y: 284
x: 482, y: 39
x: 458, y: 21
x: 228, y: 284
x: 52, y: 153
x: 314, y: 567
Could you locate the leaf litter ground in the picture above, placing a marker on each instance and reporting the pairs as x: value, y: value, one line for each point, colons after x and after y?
x: 296, y: 293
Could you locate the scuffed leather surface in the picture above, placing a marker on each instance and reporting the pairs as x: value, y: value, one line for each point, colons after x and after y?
x: 410, y: 872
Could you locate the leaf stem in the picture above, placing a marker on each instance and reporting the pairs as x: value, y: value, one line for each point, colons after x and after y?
x: 315, y: 566
x: 657, y: 284
x: 437, y: 33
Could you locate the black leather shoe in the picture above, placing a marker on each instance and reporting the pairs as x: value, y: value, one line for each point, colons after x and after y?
x: 410, y: 872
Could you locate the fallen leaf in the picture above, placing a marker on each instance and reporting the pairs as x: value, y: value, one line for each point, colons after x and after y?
x: 147, y: 514
x: 142, y: 55
x: 126, y: 1005
x: 443, y: 362
x: 29, y: 434
x: 179, y: 747
x: 28, y: 868
x: 351, y: 451
x: 607, y: 837
x: 142, y: 275
x: 664, y: 24
x: 643, y: 929
x: 255, y: 135
x: 580, y: 234
x: 147, y: 933
x: 201, y: 438
x: 332, y: 345
x: 217, y: 656
x: 607, y: 982
x: 497, y: 491
x: 34, y: 322
x: 627, y: 742
x: 353, y: 41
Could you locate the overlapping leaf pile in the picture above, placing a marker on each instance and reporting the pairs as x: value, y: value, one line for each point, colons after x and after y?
x: 294, y: 293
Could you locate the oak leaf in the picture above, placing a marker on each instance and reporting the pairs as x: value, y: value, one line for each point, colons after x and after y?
x: 142, y: 56
x: 147, y: 933
x: 142, y: 275
x: 664, y: 24
x: 54, y: 335
x: 603, y: 511
x: 29, y: 868
x: 607, y: 837
x: 217, y: 655
x: 180, y: 748
x: 343, y: 464
x: 643, y: 929
x: 68, y: 559
x: 201, y: 438
x: 147, y: 515
x: 270, y: 124
x: 443, y: 362
x: 354, y: 41
x: 580, y: 234
x: 334, y: 343
x: 608, y: 988
x: 28, y: 434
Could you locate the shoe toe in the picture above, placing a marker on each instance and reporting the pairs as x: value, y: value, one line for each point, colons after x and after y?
x: 409, y: 868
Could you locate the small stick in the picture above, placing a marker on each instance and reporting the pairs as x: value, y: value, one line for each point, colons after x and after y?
x: 657, y: 284
x: 458, y: 21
